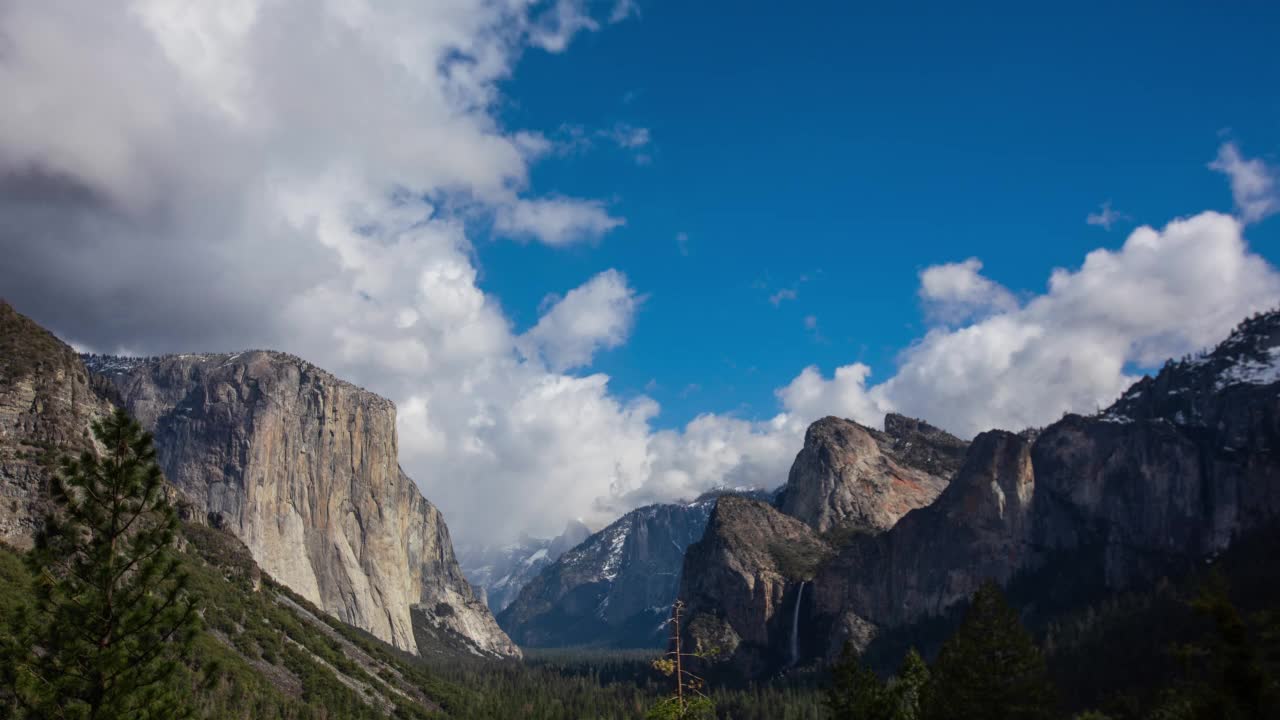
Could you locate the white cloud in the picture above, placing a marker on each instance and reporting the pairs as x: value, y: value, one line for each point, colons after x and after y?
x: 556, y: 221
x: 1105, y: 217
x: 623, y: 9
x: 573, y: 139
x: 810, y: 396
x: 555, y: 27
x: 596, y: 316
x: 1253, y: 183
x: 1163, y: 294
x: 629, y: 136
x: 956, y: 292
x: 682, y: 243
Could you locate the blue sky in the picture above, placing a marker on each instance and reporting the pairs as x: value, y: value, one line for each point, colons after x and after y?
x: 839, y: 150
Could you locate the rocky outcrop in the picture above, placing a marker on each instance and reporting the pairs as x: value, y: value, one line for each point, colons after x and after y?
x: 616, y: 588
x: 46, y: 408
x: 302, y: 467
x: 1176, y: 471
x: 849, y: 476
x: 937, y: 556
x: 743, y: 582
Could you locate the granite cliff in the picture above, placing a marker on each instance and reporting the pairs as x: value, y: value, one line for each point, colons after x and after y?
x: 302, y: 467
x: 745, y: 581
x: 853, y: 477
x: 46, y: 407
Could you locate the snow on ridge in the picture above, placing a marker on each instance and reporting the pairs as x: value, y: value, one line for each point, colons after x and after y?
x: 1252, y: 372
x: 110, y: 364
x: 614, y: 558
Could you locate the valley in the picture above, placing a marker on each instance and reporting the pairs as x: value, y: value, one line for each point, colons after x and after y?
x: 297, y: 524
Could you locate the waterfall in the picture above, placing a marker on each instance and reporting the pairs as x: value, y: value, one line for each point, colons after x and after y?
x: 795, y: 626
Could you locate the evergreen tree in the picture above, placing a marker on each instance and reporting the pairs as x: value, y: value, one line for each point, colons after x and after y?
x: 906, y: 689
x: 110, y: 618
x: 1227, y: 673
x: 856, y: 692
x: 990, y: 669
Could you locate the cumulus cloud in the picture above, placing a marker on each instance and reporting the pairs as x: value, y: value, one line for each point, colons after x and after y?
x: 556, y: 221
x: 1164, y: 293
x: 281, y: 174
x: 956, y: 292
x: 1253, y: 183
x: 846, y: 394
x: 596, y: 316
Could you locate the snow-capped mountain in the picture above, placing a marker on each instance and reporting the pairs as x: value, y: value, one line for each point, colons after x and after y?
x: 499, y: 572
x: 615, y: 588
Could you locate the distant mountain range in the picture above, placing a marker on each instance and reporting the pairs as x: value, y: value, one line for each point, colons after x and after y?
x: 615, y: 589
x: 498, y: 573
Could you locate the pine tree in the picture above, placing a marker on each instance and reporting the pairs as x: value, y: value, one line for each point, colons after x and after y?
x: 906, y: 690
x: 1227, y: 672
x: 856, y: 692
x: 110, y: 619
x: 990, y: 669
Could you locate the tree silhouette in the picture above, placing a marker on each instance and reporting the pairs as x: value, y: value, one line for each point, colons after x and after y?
x: 990, y: 669
x: 857, y: 693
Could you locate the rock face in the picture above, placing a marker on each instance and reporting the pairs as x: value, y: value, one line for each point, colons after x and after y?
x: 499, y: 573
x: 853, y: 477
x: 302, y: 467
x: 616, y: 588
x: 937, y: 556
x: 1182, y: 466
x: 46, y: 408
x: 742, y: 582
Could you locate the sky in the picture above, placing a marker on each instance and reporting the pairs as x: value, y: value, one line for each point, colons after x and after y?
x: 602, y: 254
